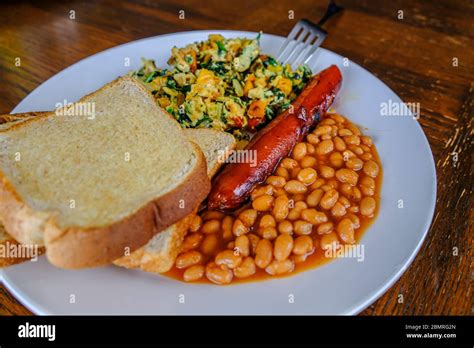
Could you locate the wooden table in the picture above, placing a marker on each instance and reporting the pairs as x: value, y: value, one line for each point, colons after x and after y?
x: 426, y: 57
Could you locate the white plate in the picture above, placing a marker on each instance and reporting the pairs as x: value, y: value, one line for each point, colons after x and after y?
x: 343, y: 286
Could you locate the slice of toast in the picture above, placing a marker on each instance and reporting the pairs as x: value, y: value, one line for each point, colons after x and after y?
x: 92, y: 187
x: 159, y: 254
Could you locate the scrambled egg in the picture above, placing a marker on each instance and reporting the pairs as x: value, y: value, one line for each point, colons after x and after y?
x: 226, y: 84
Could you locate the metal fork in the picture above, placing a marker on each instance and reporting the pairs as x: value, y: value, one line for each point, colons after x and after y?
x: 305, y: 38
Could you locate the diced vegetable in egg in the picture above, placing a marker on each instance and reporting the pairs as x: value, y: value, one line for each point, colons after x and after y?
x: 226, y: 84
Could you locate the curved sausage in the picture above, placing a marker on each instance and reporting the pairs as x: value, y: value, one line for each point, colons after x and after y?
x: 233, y: 185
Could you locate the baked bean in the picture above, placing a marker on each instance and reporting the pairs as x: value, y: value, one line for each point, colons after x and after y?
x: 276, y: 181
x: 326, y: 172
x: 289, y: 163
x: 299, y: 151
x: 294, y: 187
x: 325, y: 147
x: 345, y: 230
x: 193, y: 273
x: 356, y: 149
x: 265, y: 202
x: 334, y: 130
x: 366, y: 140
x: 231, y: 245
x: 283, y: 172
x: 322, y: 130
x: 344, y: 201
x: 246, y: 269
x: 242, y: 245
x: 355, y: 220
x: 354, y: 163
x: 317, y: 184
x: 347, y: 176
x: 344, y: 132
x: 356, y: 194
x: 314, y: 197
x: 338, y: 210
x: 280, y: 267
x: 329, y: 241
x: 339, y: 144
x: 239, y: 228
x: 280, y: 208
x: 209, y: 244
x: 227, y: 223
x: 211, y: 226
x: 269, y: 233
x: 303, y: 227
x: 229, y: 258
x: 313, y: 216
x: 188, y: 259
x: 310, y: 149
x: 329, y: 199
x: 307, y: 176
x: 286, y: 227
x: 351, y: 140
x: 302, y: 245
x: 267, y: 221
x: 312, y: 139
x: 327, y: 121
x: 367, y: 186
x: 326, y: 136
x: 365, y: 148
x: 218, y: 274
x: 294, y: 214
x: 338, y: 118
x: 263, y: 253
x: 283, y: 247
x: 366, y: 156
x: 354, y: 129
x: 191, y: 241
x: 336, y: 159
x: 325, y: 228
x: 308, y: 161
x: 196, y: 223
x: 260, y: 191
x: 371, y: 168
x: 299, y: 197
x: 346, y: 189
x: 212, y: 215
x: 367, y: 206
x: 353, y: 209
x: 348, y: 154
x: 248, y: 217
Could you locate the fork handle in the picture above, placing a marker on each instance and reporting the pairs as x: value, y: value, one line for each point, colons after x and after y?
x: 332, y: 9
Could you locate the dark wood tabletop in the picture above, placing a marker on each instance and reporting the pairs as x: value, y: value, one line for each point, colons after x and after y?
x: 423, y: 50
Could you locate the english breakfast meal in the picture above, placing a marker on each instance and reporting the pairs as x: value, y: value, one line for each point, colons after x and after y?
x: 152, y: 181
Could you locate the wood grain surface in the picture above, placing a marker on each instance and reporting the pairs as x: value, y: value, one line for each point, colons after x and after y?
x: 415, y: 56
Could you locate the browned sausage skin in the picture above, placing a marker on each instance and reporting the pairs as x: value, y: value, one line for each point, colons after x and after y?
x: 233, y: 185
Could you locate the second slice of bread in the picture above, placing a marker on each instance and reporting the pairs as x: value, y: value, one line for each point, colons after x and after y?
x: 91, y: 188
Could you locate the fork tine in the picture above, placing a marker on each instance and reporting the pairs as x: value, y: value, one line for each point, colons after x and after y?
x: 296, y: 29
x: 301, y: 44
x: 306, y: 48
x: 316, y: 45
